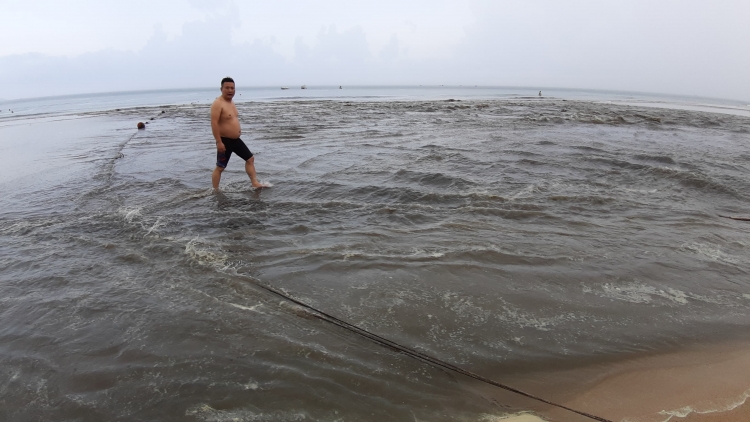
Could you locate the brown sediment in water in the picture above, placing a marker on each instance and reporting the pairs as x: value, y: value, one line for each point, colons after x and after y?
x: 699, y: 384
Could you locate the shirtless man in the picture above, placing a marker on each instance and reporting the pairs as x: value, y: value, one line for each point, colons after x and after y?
x: 225, y: 126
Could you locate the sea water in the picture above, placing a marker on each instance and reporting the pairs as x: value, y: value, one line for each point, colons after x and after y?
x: 503, y: 233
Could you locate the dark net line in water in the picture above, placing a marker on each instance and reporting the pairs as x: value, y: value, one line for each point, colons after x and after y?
x: 390, y: 344
x: 735, y: 218
x: 110, y: 167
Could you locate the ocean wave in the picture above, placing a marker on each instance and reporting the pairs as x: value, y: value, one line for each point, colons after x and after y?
x: 641, y: 293
x: 693, y: 179
x: 664, y: 159
x: 439, y: 180
x: 709, y: 252
x: 204, y: 254
x: 207, y: 413
x: 726, y: 405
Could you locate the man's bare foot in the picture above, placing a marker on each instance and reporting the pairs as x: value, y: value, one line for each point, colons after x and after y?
x: 260, y: 185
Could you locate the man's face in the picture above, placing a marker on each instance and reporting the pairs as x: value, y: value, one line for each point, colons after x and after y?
x: 227, y: 90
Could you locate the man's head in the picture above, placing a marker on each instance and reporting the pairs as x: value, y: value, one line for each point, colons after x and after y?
x: 227, y: 88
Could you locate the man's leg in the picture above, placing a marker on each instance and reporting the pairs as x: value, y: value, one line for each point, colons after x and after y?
x: 222, y: 159
x: 241, y: 150
x: 250, y: 169
x: 216, y: 176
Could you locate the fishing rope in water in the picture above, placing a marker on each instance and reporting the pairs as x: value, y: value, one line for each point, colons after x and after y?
x: 735, y: 218
x: 392, y: 344
x: 414, y: 353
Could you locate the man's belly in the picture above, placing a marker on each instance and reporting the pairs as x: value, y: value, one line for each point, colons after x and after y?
x: 230, y: 130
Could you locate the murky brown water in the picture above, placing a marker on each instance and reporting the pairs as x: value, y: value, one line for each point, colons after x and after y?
x: 505, y: 237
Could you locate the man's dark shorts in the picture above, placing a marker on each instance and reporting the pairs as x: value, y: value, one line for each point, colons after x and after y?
x: 232, y: 146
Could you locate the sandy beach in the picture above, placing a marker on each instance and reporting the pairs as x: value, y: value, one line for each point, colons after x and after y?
x: 698, y: 383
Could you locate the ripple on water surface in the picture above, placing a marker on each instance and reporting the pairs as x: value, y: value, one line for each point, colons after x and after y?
x: 507, y: 237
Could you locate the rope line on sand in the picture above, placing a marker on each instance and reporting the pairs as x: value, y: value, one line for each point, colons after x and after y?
x: 415, y: 353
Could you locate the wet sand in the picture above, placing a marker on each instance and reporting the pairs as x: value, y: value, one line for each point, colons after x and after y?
x: 699, y: 384
x: 703, y: 383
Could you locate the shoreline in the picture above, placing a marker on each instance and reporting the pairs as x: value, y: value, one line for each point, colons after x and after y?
x: 700, y: 383
x: 703, y: 108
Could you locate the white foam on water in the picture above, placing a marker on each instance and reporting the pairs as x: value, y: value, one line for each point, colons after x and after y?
x: 251, y: 385
x: 524, y: 319
x: 637, y: 292
x: 297, y: 310
x: 236, y: 186
x: 474, y: 313
x: 159, y: 223
x: 632, y: 293
x: 711, y: 252
x: 14, y: 376
x: 129, y: 213
x: 641, y: 191
x: 203, y: 193
x: 204, y: 255
x: 209, y: 414
x: 21, y: 227
x: 465, y: 307
x: 253, y: 308
x: 421, y: 253
x: 414, y: 253
x: 728, y: 406
x: 516, y: 417
x: 526, y: 192
x: 675, y: 170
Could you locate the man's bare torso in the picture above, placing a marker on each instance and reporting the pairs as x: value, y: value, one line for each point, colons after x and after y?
x: 229, y: 123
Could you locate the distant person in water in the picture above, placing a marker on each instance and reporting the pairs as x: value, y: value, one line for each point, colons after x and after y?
x: 225, y: 126
x: 540, y: 93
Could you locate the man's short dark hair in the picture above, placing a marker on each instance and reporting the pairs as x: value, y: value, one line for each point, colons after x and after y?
x: 227, y: 79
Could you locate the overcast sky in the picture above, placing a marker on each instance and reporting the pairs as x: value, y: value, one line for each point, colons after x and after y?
x: 664, y: 46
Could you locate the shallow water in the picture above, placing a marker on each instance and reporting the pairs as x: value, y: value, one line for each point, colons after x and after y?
x: 503, y: 236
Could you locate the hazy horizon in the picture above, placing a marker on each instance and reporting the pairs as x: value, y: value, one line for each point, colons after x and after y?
x: 532, y: 91
x: 674, y: 47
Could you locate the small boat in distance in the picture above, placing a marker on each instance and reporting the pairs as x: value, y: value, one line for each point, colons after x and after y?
x: 284, y: 87
x: 304, y: 86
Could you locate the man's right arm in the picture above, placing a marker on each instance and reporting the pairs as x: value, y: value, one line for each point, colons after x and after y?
x: 215, y: 114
